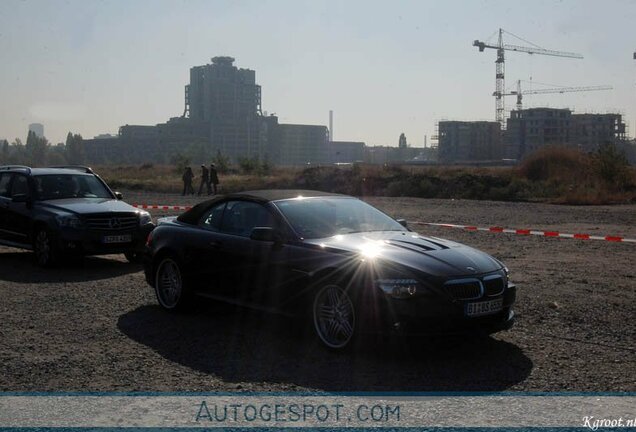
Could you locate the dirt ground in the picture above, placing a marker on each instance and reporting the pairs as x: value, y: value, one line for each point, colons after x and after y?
x: 96, y: 326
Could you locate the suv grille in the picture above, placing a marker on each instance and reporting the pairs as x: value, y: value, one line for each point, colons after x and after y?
x: 112, y: 222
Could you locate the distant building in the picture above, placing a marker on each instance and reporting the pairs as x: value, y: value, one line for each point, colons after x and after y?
x: 302, y: 144
x: 37, y: 128
x: 222, y: 114
x: 531, y: 129
x: 469, y: 141
x: 345, y: 151
x: 229, y: 101
x: 389, y: 154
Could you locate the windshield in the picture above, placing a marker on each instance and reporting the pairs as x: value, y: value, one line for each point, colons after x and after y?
x: 325, y: 217
x: 61, y: 186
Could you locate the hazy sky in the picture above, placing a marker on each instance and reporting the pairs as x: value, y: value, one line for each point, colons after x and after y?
x: 383, y: 67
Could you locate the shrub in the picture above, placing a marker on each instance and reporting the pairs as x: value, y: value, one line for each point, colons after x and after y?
x: 612, y: 166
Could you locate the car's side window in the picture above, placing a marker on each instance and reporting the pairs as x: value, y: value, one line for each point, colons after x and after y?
x: 211, y: 220
x: 240, y: 217
x: 20, y: 185
x: 5, y: 179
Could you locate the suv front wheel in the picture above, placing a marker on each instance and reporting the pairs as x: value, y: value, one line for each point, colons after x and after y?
x: 44, y: 247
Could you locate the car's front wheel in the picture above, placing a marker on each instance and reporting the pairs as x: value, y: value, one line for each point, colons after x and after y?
x: 44, y: 248
x: 169, y: 284
x: 334, y: 317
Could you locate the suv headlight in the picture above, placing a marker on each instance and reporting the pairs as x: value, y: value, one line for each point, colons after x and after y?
x: 144, y: 218
x: 70, y: 221
x: 398, y: 288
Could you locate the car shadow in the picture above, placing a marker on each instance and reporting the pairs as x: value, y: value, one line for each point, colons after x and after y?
x: 20, y: 267
x: 244, y: 346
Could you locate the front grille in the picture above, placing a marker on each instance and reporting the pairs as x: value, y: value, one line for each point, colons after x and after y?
x: 464, y: 289
x: 112, y: 223
x: 493, y: 285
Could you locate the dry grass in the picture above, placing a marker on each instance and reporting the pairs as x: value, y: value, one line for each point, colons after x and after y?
x: 555, y: 175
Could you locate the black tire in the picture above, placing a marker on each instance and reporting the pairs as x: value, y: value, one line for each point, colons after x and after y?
x: 334, y: 318
x: 44, y: 247
x: 133, y: 257
x: 170, y: 287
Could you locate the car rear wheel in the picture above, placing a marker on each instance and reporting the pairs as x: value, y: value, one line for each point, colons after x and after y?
x: 334, y: 317
x: 44, y: 248
x: 169, y: 284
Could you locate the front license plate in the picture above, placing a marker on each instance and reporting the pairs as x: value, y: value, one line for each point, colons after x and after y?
x: 484, y: 308
x: 117, y: 239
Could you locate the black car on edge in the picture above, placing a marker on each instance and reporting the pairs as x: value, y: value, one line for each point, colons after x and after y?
x: 339, y: 263
x: 62, y: 211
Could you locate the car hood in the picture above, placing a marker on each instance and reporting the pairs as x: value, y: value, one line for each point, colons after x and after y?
x: 430, y: 255
x: 86, y: 206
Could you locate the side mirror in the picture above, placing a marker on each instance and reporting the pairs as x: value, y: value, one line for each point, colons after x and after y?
x: 267, y: 234
x: 20, y: 198
x: 402, y: 222
x: 119, y: 196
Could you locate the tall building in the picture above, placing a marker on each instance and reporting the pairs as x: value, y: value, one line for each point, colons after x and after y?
x: 469, y: 141
x: 229, y: 101
x: 37, y: 128
x: 531, y: 129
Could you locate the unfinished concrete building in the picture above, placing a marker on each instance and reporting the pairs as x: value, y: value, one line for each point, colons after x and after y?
x: 469, y: 141
x: 531, y: 129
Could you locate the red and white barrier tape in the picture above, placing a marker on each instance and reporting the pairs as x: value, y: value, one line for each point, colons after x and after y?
x: 531, y: 232
x: 464, y: 227
x: 161, y: 207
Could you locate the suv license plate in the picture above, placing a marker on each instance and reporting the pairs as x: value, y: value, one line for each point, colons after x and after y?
x: 117, y: 239
x: 484, y: 308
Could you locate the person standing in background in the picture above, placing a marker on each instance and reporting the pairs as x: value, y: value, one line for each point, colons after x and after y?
x: 214, y: 179
x: 187, y: 177
x: 205, y: 179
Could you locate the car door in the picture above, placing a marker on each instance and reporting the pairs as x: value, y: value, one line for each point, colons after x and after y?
x: 205, y: 262
x: 18, y: 214
x: 252, y: 266
x: 5, y: 200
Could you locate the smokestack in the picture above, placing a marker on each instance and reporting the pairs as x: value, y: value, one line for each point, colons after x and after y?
x: 330, y: 125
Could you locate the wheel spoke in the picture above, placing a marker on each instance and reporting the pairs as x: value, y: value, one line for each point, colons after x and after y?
x: 333, y: 297
x: 326, y: 313
x: 345, y: 327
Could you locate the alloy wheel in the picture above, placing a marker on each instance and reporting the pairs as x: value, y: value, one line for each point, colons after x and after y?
x: 334, y: 317
x: 168, y: 284
x: 42, y: 248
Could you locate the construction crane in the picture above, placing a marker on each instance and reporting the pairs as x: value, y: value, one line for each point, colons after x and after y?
x: 519, y: 93
x: 500, y: 66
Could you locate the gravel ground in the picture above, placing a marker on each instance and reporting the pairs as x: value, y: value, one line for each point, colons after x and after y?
x: 96, y: 326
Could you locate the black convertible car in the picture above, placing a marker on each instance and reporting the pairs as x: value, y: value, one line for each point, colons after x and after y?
x: 334, y: 261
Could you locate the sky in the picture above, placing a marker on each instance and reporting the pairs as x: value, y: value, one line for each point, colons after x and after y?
x: 383, y: 67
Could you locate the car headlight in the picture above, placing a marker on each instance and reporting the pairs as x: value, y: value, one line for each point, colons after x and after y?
x: 144, y: 218
x: 70, y: 221
x: 398, y: 288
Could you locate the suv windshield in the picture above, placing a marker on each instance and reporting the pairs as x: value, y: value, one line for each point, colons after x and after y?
x: 325, y: 217
x: 61, y: 186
